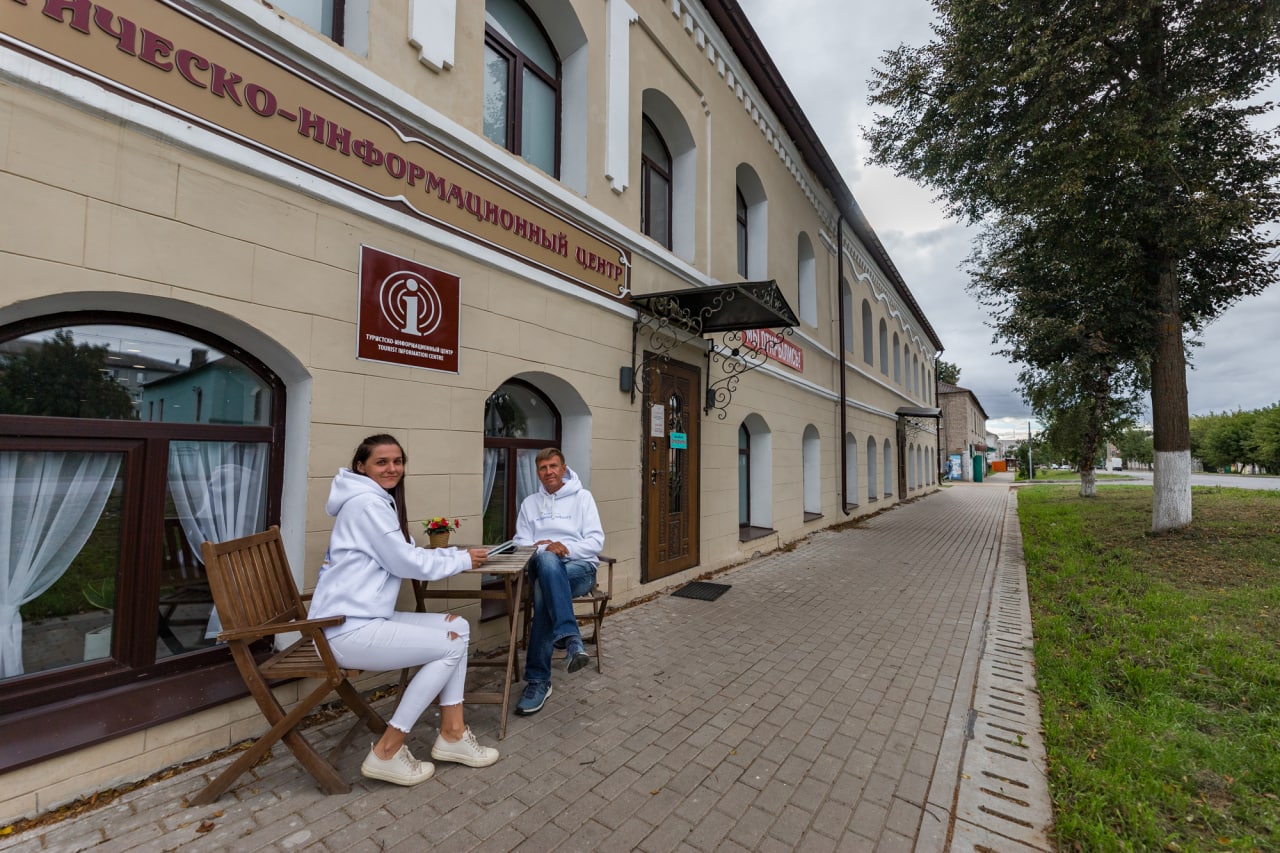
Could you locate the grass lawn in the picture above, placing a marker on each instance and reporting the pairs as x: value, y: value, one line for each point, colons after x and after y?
x: 1158, y: 663
x: 1049, y: 475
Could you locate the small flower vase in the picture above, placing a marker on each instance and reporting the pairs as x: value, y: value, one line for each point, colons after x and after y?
x: 439, y: 540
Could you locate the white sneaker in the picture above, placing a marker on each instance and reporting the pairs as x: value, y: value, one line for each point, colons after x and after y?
x: 465, y: 750
x: 401, y: 768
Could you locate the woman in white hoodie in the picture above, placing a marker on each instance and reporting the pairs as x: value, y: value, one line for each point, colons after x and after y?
x: 370, y: 554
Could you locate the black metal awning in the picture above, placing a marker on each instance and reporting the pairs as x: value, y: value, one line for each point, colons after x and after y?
x: 732, y: 311
x: 918, y: 412
x: 916, y: 417
x: 720, y: 308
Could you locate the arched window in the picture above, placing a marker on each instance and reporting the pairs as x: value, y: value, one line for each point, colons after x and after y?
x: 851, y: 470
x: 521, y: 85
x: 872, y: 453
x: 807, y: 278
x: 897, y: 360
x: 884, y: 347
x: 753, y: 224
x: 519, y: 421
x: 744, y: 234
x: 868, y: 334
x: 125, y: 442
x: 755, y: 486
x: 344, y: 21
x: 848, y: 316
x: 888, y: 468
x: 655, y: 184
x: 811, y: 459
x: 663, y: 119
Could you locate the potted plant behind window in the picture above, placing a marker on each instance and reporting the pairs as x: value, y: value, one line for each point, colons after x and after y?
x: 101, y: 595
x: 438, y: 530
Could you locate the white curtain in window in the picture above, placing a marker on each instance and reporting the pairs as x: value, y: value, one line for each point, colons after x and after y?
x: 218, y: 488
x: 219, y: 491
x: 49, y: 504
x: 490, y: 471
x: 526, y: 474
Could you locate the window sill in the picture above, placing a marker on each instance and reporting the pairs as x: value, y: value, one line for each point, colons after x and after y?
x: 812, y: 516
x: 58, y: 728
x: 747, y: 532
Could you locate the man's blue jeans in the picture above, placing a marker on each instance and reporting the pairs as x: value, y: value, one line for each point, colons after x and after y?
x: 555, y: 583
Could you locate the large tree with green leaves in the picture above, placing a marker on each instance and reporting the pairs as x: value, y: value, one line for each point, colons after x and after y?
x: 1047, y: 291
x: 61, y: 378
x: 1080, y: 410
x: 1137, y: 116
x: 1266, y: 438
x: 1135, y: 446
x: 948, y: 372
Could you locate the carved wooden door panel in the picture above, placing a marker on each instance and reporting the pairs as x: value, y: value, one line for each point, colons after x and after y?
x: 671, y: 409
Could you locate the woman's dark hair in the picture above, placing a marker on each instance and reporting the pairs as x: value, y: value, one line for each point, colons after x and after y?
x: 361, y: 456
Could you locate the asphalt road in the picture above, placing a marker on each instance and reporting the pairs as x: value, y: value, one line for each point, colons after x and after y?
x: 1239, y: 481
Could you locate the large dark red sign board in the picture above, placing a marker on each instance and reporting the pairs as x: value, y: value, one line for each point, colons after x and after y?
x: 408, y: 312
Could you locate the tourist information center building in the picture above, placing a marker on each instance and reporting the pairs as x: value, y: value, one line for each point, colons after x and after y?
x: 236, y: 238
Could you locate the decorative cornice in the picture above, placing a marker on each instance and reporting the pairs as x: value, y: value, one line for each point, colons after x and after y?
x: 882, y: 292
x: 707, y: 38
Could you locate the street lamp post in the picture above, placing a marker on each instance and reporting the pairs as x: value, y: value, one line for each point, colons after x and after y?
x: 1031, y: 468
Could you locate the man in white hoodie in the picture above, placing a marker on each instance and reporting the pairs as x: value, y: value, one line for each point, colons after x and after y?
x: 562, y: 521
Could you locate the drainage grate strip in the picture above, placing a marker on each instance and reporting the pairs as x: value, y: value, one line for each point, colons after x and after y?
x: 1002, y: 803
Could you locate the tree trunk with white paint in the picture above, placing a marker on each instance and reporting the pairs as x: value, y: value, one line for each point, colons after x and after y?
x: 1088, y: 483
x: 1171, y: 495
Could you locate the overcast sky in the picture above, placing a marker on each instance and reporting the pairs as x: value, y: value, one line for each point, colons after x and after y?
x: 825, y: 50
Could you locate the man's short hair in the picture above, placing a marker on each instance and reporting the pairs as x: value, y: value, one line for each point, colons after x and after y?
x: 546, y: 453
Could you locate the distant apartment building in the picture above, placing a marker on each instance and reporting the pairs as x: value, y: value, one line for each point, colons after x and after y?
x: 964, y: 433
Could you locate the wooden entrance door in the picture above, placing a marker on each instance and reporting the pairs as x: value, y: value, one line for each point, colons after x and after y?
x: 671, y: 409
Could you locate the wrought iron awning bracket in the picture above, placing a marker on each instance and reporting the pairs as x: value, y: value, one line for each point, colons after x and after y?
x: 673, y: 319
x: 736, y: 360
x: 917, y: 419
x: 921, y: 425
x: 663, y: 334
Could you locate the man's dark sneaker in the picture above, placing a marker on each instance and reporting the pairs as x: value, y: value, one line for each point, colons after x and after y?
x: 534, y: 697
x: 575, y: 656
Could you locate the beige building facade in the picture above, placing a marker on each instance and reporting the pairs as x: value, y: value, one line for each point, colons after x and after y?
x: 236, y: 241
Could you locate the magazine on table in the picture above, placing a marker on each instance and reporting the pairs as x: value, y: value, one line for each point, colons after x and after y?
x: 502, y: 548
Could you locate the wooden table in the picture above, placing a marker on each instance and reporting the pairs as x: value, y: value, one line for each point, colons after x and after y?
x: 510, y: 568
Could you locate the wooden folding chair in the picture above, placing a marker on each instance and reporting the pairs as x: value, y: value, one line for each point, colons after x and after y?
x: 257, y: 598
x: 589, y: 609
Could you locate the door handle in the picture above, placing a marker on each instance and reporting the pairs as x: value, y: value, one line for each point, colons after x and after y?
x: 653, y: 476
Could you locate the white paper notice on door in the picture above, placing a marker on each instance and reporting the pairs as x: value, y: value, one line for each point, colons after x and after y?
x: 657, y: 421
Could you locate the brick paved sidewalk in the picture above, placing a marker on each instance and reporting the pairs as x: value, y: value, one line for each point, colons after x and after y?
x: 822, y: 703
